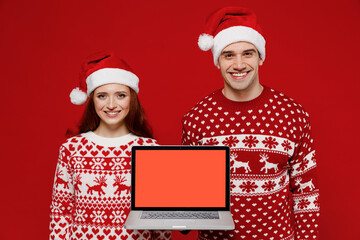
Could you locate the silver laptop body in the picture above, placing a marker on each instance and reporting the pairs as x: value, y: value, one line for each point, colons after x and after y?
x: 180, y: 188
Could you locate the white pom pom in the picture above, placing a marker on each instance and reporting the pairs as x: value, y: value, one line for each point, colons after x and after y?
x: 205, y: 42
x: 77, y: 96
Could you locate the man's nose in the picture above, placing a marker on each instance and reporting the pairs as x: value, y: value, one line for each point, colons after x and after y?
x: 239, y: 63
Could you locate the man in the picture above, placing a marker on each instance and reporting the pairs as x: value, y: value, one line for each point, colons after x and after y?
x: 274, y: 192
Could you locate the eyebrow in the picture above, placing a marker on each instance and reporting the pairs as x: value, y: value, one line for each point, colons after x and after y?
x: 250, y: 50
x: 247, y: 50
x: 104, y: 93
x: 226, y: 52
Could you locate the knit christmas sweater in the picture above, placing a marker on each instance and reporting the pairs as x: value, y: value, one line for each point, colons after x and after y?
x: 91, y: 194
x: 274, y: 192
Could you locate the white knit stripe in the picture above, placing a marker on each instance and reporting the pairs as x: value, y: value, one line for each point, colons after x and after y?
x: 310, y: 161
x: 262, y: 142
x: 106, y: 202
x: 262, y: 184
x: 99, y: 155
x: 308, y: 199
x: 97, y: 164
x: 89, y: 178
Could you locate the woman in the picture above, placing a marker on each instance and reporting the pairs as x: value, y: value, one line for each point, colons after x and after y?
x: 91, y: 194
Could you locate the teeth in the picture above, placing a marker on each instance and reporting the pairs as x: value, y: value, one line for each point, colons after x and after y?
x: 112, y: 113
x: 239, y: 74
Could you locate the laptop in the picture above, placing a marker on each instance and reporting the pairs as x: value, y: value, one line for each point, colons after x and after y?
x: 180, y: 188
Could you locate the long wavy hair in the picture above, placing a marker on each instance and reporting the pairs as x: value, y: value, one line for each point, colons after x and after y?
x: 135, y: 120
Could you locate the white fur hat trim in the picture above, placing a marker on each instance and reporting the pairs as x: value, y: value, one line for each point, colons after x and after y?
x: 112, y: 75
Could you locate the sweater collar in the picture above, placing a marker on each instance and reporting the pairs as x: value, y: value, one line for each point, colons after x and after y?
x: 235, y: 105
x: 109, y: 142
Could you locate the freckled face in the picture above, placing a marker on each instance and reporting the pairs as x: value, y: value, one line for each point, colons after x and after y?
x: 112, y: 103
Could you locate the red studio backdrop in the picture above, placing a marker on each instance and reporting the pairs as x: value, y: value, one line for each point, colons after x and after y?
x: 312, y: 56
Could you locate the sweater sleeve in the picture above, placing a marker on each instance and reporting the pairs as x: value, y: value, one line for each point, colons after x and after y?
x: 304, y: 186
x: 189, y: 135
x: 62, y: 198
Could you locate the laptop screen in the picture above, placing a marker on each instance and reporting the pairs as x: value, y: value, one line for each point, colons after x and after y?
x: 173, y: 177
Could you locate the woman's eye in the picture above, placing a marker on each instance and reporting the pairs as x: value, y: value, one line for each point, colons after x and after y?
x: 101, y: 96
x: 122, y: 95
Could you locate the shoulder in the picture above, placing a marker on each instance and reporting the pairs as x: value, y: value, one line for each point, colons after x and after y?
x: 288, y: 106
x: 70, y: 147
x: 75, y: 139
x: 73, y: 142
x: 197, y: 111
x: 143, y: 141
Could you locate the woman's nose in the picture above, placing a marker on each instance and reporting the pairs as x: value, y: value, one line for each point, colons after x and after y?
x: 111, y: 103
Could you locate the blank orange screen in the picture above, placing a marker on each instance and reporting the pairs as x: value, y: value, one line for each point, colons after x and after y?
x: 180, y: 178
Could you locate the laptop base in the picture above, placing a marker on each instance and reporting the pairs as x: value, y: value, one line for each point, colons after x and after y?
x: 225, y: 222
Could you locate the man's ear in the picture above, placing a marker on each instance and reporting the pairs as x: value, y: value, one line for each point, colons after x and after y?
x: 261, y: 62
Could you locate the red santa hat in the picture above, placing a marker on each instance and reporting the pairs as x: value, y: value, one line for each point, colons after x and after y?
x: 229, y: 25
x: 100, y: 69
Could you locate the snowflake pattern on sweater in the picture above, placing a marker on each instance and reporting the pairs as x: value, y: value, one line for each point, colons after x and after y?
x: 274, y: 193
x: 91, y: 194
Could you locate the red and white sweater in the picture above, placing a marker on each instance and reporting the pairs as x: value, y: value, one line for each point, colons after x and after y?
x: 274, y: 191
x: 91, y: 194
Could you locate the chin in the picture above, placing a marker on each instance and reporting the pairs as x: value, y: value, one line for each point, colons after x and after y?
x: 114, y: 122
x: 239, y: 87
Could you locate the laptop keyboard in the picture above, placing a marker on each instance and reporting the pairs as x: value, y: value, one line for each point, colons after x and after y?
x: 179, y: 215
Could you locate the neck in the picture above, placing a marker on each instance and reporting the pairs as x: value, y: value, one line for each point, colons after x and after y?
x: 243, y: 95
x: 104, y: 130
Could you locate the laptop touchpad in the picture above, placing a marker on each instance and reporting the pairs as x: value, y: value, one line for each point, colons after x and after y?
x: 179, y: 223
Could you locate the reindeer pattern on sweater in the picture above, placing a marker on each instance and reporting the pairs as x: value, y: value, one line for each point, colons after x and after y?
x: 91, y: 194
x: 274, y: 193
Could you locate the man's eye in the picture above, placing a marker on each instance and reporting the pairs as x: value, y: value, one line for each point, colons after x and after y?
x: 228, y: 55
x: 248, y: 54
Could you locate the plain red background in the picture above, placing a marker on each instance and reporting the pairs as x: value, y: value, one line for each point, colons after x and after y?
x: 312, y: 56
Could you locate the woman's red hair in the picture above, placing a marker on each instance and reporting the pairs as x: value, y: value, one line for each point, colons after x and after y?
x: 135, y: 120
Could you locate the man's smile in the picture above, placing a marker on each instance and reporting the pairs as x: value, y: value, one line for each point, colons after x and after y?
x: 239, y: 75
